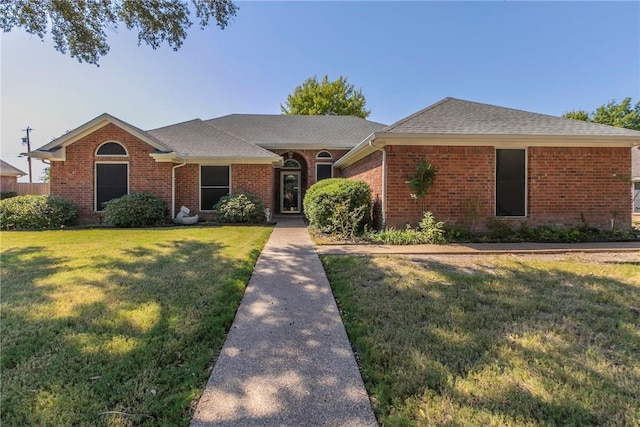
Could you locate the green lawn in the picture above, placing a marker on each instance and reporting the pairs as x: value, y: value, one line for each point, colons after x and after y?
x: 494, y: 341
x: 116, y: 327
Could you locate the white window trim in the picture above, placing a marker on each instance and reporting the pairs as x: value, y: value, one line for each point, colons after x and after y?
x: 318, y: 157
x: 95, y: 181
x: 526, y: 184
x: 323, y: 163
x: 112, y: 155
x: 200, y: 186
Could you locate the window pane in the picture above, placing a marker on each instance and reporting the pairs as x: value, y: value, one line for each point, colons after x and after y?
x: 112, y: 149
x: 324, y: 155
x: 323, y: 171
x: 214, y: 176
x: 210, y: 196
x: 636, y: 197
x: 111, y: 182
x: 510, y: 183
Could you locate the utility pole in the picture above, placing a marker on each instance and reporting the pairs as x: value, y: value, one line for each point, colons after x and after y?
x: 28, y: 144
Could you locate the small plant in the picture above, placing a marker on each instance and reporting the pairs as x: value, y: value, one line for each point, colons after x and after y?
x: 241, y: 207
x: 499, y: 229
x: 36, y: 212
x: 429, y: 231
x: 421, y: 181
x: 470, y: 213
x: 135, y: 210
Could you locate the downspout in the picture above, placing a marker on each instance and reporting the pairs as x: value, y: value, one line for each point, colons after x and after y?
x: 384, y: 182
x: 173, y: 188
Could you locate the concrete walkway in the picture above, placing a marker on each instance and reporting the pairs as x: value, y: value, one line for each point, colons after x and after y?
x: 287, y: 360
x: 479, y: 248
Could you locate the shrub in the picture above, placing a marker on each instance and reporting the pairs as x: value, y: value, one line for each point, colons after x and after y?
x: 242, y: 207
x: 36, y: 212
x: 429, y: 231
x: 7, y: 194
x: 135, y: 210
x: 338, y: 205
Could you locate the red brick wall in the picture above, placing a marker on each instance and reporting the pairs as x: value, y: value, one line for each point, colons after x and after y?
x: 255, y: 179
x: 369, y: 170
x: 74, y: 178
x: 7, y: 183
x: 566, y: 184
x: 465, y: 176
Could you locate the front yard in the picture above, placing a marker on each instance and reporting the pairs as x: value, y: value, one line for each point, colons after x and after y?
x: 495, y: 341
x: 116, y: 327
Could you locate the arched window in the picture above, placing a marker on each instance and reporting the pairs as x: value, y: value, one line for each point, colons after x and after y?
x: 324, y: 155
x: 111, y: 149
x: 291, y: 164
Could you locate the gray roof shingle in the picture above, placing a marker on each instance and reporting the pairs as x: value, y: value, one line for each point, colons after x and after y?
x: 276, y: 130
x: 8, y: 170
x: 456, y: 116
x: 196, y: 138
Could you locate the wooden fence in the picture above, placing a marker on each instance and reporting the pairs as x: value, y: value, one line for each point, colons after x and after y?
x: 23, y: 188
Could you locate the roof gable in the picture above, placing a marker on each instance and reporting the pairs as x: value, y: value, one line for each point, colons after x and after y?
x: 460, y: 117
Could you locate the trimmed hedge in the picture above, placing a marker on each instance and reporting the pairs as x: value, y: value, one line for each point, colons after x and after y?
x: 31, y: 211
x: 136, y: 210
x: 241, y: 207
x: 338, y: 205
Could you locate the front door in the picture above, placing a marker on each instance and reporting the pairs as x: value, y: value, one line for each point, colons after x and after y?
x: 290, y: 192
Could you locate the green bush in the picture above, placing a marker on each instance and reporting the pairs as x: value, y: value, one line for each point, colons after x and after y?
x: 7, y: 194
x: 338, y: 206
x: 135, y: 210
x: 241, y: 207
x: 36, y: 212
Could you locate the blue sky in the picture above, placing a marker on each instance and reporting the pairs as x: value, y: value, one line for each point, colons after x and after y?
x: 547, y: 57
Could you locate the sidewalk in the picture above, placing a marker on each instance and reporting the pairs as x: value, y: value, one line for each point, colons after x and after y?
x: 479, y: 248
x: 287, y: 360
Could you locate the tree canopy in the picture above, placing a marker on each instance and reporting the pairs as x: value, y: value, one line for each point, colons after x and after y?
x: 332, y: 98
x: 621, y: 114
x: 79, y: 26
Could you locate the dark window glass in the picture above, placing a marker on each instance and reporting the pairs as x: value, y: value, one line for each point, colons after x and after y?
x: 636, y: 197
x: 510, y: 183
x: 323, y: 171
x: 324, y: 155
x: 111, y: 182
x: 214, y: 184
x: 112, y: 149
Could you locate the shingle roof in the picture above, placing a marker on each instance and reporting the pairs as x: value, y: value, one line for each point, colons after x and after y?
x: 456, y: 116
x: 276, y: 130
x: 196, y: 138
x: 7, y: 170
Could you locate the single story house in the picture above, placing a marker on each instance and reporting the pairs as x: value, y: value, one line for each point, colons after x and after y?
x: 493, y: 163
x: 9, y: 176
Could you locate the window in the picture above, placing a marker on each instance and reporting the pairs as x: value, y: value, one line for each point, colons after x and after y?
x: 636, y: 197
x: 323, y: 171
x: 112, y: 181
x: 324, y: 155
x: 511, y: 186
x: 111, y: 149
x: 291, y: 164
x: 214, y: 184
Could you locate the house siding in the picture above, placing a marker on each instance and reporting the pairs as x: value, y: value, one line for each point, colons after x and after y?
x: 565, y: 186
x: 74, y: 178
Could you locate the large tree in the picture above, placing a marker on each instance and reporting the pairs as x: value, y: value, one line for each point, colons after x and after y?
x: 317, y: 98
x: 79, y: 26
x: 621, y: 114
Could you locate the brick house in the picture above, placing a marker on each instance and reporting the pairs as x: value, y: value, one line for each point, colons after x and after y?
x: 505, y: 164
x: 9, y: 176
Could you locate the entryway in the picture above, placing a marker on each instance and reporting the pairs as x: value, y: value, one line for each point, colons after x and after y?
x: 290, y: 191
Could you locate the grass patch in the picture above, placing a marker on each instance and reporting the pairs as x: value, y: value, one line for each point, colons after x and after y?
x: 116, y: 327
x: 518, y: 341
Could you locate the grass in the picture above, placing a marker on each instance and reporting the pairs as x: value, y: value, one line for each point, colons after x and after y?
x: 116, y: 327
x: 501, y: 341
